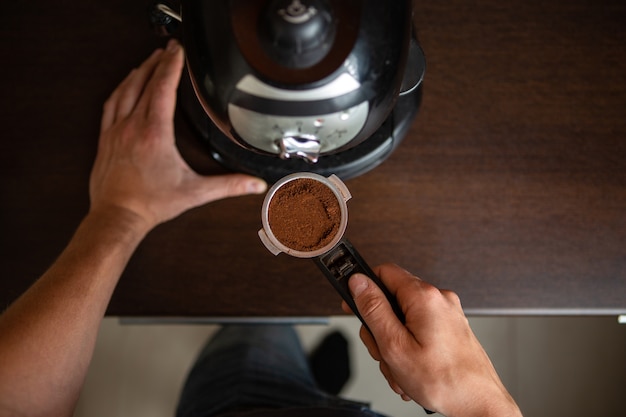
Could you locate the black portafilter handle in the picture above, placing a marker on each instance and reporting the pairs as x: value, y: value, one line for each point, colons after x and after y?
x: 343, y: 261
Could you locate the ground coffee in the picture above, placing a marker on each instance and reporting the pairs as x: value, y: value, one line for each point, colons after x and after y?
x: 304, y: 215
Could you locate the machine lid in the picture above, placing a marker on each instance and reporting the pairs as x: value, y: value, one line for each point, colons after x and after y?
x: 260, y: 30
x: 297, y: 34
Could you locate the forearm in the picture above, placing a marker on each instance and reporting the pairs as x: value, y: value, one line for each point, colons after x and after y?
x: 47, y: 336
x: 138, y: 180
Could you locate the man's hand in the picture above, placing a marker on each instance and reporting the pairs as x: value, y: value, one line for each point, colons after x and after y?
x: 434, y: 358
x: 138, y: 168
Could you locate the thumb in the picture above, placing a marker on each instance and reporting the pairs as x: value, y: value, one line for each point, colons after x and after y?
x: 374, y: 308
x: 232, y: 185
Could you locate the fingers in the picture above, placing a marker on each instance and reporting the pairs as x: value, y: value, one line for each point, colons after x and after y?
x: 452, y: 298
x: 159, y: 101
x: 124, y: 99
x: 370, y: 344
x: 372, y: 348
x: 396, y: 278
x: 366, y: 336
x: 376, y: 311
x: 386, y: 371
x: 150, y: 89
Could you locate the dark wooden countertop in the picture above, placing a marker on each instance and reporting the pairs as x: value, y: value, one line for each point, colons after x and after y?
x: 510, y: 188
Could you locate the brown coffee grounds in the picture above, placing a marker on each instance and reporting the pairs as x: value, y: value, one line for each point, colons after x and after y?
x: 304, y: 215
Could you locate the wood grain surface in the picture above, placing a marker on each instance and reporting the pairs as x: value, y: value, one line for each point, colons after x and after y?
x: 510, y: 187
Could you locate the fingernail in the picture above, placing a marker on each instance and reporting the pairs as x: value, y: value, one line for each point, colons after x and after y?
x: 257, y: 186
x: 172, y: 46
x: 358, y: 283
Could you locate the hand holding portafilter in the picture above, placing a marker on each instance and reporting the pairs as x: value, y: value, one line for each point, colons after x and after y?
x: 305, y: 215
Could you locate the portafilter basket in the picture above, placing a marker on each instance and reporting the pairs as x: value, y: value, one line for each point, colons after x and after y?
x: 336, y: 257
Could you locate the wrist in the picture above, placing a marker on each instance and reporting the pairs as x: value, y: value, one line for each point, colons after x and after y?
x: 498, y: 404
x: 123, y: 223
x: 506, y: 408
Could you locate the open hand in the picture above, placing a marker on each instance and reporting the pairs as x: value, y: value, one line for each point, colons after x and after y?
x: 138, y: 168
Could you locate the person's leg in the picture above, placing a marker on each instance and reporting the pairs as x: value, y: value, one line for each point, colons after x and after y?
x: 250, y: 365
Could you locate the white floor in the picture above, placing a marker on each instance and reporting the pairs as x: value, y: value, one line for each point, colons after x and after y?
x: 552, y: 366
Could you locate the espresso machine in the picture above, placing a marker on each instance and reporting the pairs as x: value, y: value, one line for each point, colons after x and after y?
x: 274, y: 87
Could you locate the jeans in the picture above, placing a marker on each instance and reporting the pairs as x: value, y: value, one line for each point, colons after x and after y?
x: 254, y: 366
